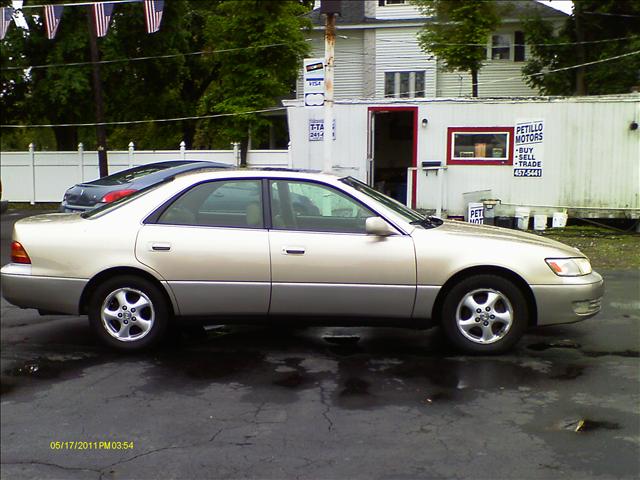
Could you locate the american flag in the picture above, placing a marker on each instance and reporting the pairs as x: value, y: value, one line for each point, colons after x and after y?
x: 6, y: 15
x: 102, y: 14
x: 153, y: 14
x: 52, y: 16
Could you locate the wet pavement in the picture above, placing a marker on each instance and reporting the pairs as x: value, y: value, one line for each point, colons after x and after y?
x: 257, y: 402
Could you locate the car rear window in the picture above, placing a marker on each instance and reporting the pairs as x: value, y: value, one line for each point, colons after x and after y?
x: 129, y: 175
x: 109, y: 207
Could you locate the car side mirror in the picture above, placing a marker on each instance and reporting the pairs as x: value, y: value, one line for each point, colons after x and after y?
x: 378, y: 226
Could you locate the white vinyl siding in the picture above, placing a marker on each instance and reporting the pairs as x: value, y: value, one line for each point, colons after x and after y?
x: 497, y: 78
x: 350, y: 63
x: 401, y: 11
x: 397, y: 50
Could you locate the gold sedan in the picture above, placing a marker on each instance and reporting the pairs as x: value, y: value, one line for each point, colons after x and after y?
x: 256, y: 246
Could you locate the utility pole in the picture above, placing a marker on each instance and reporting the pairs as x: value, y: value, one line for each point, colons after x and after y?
x: 101, y: 131
x: 330, y: 8
x: 581, y: 83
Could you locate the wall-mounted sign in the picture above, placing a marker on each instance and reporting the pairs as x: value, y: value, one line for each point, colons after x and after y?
x: 475, y: 213
x: 528, y: 148
x: 316, y: 130
x: 313, y: 77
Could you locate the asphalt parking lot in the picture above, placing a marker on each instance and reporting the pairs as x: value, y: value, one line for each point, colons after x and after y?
x: 323, y: 403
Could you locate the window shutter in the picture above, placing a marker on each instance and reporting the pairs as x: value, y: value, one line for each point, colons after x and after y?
x: 518, y: 47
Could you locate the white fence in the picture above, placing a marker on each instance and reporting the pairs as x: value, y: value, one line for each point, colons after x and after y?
x: 35, y: 176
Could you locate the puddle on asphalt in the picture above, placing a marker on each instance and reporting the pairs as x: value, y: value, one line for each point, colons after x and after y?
x: 623, y: 353
x: 355, y: 386
x: 571, y: 372
x: 43, y: 368
x: 341, y: 339
x: 380, y: 370
x: 559, y: 344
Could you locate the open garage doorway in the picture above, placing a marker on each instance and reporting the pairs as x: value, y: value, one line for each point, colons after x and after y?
x: 392, y: 150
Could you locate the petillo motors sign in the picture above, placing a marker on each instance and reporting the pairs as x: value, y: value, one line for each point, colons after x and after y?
x: 528, y: 149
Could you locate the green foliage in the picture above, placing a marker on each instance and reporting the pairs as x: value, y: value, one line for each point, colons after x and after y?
x: 181, y: 86
x: 599, y: 20
x: 459, y: 26
x: 249, y: 76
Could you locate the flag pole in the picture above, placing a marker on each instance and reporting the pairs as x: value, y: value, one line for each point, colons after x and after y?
x: 101, y: 130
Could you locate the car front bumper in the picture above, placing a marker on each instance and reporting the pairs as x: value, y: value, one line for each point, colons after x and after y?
x: 570, y: 302
x: 51, y: 294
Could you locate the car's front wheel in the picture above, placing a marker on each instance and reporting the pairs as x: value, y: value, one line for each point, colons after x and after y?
x: 484, y: 314
x: 129, y: 313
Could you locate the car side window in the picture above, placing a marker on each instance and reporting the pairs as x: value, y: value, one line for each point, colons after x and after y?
x: 231, y: 203
x: 308, y: 206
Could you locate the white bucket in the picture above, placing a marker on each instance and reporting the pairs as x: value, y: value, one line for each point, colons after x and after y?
x: 539, y: 222
x: 559, y: 220
x: 522, y: 217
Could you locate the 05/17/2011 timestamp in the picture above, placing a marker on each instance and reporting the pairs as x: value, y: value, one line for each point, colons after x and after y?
x: 91, y: 445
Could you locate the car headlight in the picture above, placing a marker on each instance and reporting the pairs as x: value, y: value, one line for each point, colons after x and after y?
x: 569, y: 267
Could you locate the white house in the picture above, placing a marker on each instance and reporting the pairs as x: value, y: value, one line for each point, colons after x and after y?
x: 377, y: 53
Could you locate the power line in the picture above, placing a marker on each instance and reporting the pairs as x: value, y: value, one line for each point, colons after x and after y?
x: 605, y: 14
x: 137, y: 59
x: 558, y: 44
x: 275, y: 109
x: 137, y: 122
x: 213, y: 52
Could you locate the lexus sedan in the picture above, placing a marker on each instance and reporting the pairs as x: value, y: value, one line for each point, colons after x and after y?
x: 230, y: 246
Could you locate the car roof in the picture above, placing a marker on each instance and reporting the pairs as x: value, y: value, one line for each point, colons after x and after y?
x: 266, y: 172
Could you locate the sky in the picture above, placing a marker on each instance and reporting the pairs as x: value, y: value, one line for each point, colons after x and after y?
x: 565, y: 6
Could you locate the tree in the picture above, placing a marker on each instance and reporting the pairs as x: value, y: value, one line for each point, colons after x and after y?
x: 133, y: 90
x: 459, y: 33
x: 262, y: 45
x: 586, y: 37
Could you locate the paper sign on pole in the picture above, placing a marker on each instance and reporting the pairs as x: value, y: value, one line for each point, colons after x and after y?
x: 313, y: 77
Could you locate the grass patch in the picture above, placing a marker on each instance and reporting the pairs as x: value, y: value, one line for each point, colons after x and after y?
x: 37, y: 206
x: 607, y: 249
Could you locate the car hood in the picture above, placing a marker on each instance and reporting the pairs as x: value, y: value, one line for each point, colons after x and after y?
x: 472, y: 232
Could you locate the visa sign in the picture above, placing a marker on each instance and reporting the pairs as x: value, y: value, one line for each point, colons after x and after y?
x: 313, y: 78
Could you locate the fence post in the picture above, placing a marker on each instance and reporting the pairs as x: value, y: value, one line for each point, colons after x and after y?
x: 81, y: 161
x: 236, y: 152
x: 183, y: 150
x: 32, y: 159
x: 131, y: 149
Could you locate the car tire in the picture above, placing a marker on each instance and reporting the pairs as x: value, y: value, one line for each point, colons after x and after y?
x: 129, y: 313
x: 484, y: 314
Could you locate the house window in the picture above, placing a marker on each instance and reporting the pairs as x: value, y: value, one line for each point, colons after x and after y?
x: 404, y: 84
x: 480, y: 146
x: 382, y: 3
x: 503, y: 43
x: 501, y: 47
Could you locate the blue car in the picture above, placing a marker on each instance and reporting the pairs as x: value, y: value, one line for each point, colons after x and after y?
x: 89, y: 195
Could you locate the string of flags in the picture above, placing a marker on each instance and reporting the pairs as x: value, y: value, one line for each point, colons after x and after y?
x: 101, y: 11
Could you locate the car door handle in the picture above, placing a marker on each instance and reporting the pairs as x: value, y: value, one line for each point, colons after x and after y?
x: 160, y: 247
x: 293, y: 250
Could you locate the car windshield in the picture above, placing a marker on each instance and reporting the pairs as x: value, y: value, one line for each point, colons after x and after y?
x: 108, y: 207
x: 397, y: 207
x: 129, y: 175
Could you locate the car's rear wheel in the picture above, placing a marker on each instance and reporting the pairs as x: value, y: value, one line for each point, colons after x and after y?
x: 129, y: 313
x: 485, y: 314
